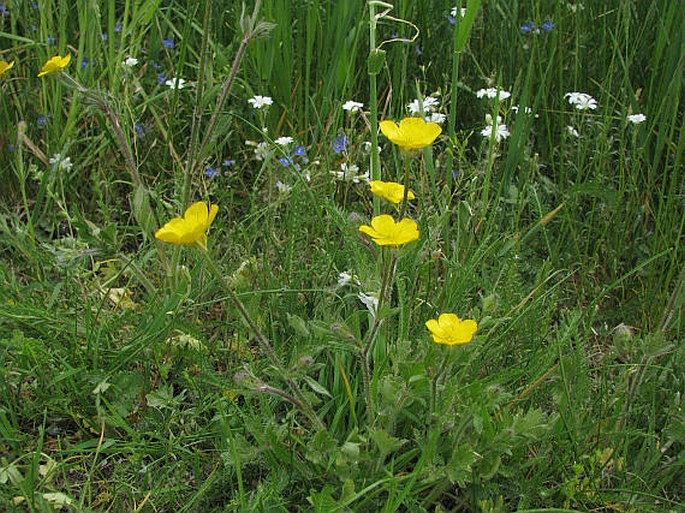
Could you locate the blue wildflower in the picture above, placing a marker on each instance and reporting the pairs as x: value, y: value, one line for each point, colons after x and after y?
x: 42, y: 121
x: 155, y: 66
x: 34, y: 5
x: 10, y: 147
x: 228, y: 163
x: 117, y: 27
x: 547, y: 26
x: 285, y: 161
x: 140, y: 131
x: 299, y: 151
x: 527, y: 27
x: 455, y: 174
x: 340, y: 143
x: 168, y: 43
x: 51, y: 40
x: 3, y: 9
x: 161, y: 78
x: 104, y: 36
x: 451, y: 19
x: 210, y: 172
x: 84, y: 63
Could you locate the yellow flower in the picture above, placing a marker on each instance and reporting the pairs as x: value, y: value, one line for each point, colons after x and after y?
x: 4, y: 66
x: 412, y: 133
x: 450, y: 329
x: 55, y: 64
x: 191, y: 228
x: 392, y: 191
x: 385, y: 232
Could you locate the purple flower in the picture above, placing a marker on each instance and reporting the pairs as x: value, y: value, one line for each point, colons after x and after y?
x: 140, y: 131
x: 547, y: 26
x: 10, y: 147
x: 3, y: 9
x: 51, y: 40
x: 84, y: 63
x: 168, y: 43
x: 340, y: 143
x: 210, y: 172
x: 451, y: 19
x: 161, y: 78
x: 117, y: 27
x: 299, y: 151
x: 285, y: 161
x: 104, y: 36
x: 42, y: 120
x: 228, y: 163
x: 34, y: 5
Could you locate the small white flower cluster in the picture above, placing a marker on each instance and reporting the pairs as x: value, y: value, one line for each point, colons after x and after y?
x: 462, y: 12
x: 492, y: 93
x: 63, y: 163
x: 428, y: 107
x: 283, y: 188
x: 345, y: 278
x: 350, y: 173
x: 498, y: 130
x: 259, y: 102
x: 581, y: 101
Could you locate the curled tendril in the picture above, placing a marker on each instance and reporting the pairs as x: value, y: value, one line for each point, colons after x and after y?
x: 383, y: 15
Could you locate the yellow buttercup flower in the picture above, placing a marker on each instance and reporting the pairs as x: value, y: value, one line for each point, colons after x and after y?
x: 4, y: 66
x: 386, y: 232
x: 189, y: 229
x: 411, y: 133
x: 391, y: 191
x: 55, y: 64
x: 451, y: 330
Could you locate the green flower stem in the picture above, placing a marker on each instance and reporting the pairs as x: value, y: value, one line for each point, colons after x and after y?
x: 384, y: 298
x: 406, y: 156
x: 373, y: 108
x: 299, y: 399
x: 434, y: 384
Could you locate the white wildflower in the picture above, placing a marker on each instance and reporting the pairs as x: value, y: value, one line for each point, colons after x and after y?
x: 429, y: 105
x: 582, y: 101
x: 462, y: 12
x: 636, y: 119
x: 500, y: 129
x: 130, y: 62
x: 572, y: 131
x: 284, y: 141
x: 175, y: 83
x: 493, y: 92
x: 283, y: 187
x: 258, y: 101
x: 371, y: 302
x: 63, y: 164
x: 352, y: 106
x: 436, y: 117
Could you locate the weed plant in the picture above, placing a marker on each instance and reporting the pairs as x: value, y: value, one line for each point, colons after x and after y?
x: 283, y: 361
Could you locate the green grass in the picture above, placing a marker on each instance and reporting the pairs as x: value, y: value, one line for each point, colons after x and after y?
x: 131, y: 381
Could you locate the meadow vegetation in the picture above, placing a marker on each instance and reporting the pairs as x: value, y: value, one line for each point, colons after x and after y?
x: 342, y: 256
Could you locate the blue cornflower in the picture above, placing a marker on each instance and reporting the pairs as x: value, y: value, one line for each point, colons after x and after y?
x: 117, y: 27
x: 168, y: 43
x: 527, y: 27
x: 210, y: 172
x: 51, y: 40
x: 299, y: 151
x: 84, y: 63
x: 3, y: 9
x: 547, y: 26
x: 228, y: 163
x: 285, y: 161
x: 161, y: 78
x: 340, y: 143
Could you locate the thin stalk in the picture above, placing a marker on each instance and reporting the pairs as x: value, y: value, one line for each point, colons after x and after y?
x: 373, y: 107
x: 386, y: 287
x: 299, y: 398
